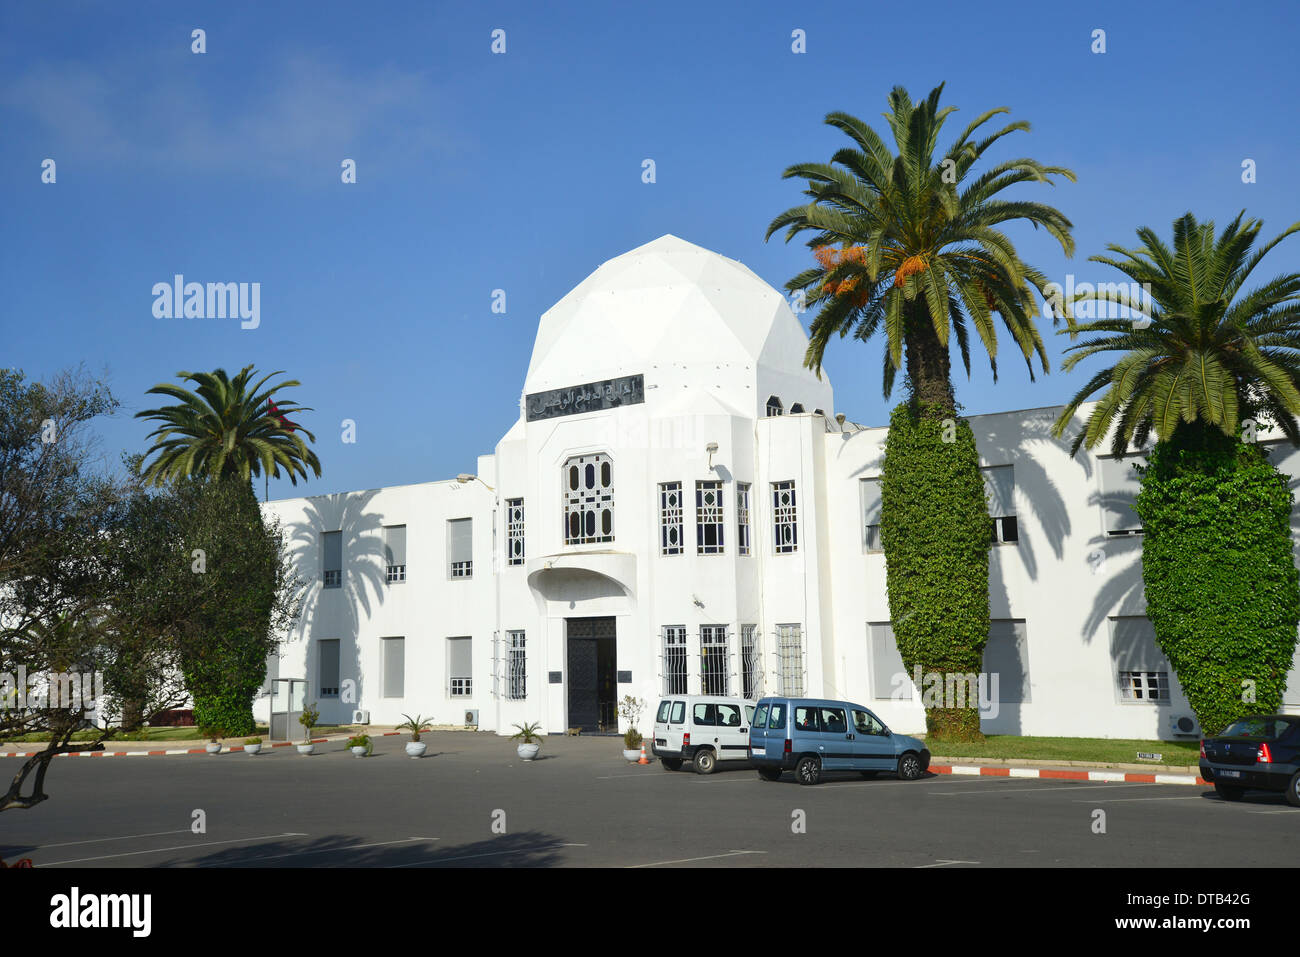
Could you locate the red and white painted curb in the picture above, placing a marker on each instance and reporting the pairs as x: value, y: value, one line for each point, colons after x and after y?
x: 1118, y: 777
x: 141, y: 754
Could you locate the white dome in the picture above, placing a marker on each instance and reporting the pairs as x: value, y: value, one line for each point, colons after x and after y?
x: 682, y: 315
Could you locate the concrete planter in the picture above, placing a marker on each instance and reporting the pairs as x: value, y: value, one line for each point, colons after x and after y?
x: 415, y: 748
x: 528, y: 751
x: 632, y: 756
x: 212, y: 748
x: 252, y: 748
x: 306, y: 748
x: 359, y: 751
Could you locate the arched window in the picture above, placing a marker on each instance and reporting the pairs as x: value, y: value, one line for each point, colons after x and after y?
x: 774, y: 406
x: 588, y: 484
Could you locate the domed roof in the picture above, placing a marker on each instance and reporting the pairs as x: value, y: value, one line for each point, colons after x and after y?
x: 671, y: 305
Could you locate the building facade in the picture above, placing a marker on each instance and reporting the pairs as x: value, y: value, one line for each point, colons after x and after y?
x: 678, y: 509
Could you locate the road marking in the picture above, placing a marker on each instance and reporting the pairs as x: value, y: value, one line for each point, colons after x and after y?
x: 469, y: 857
x: 179, y: 847
x: 100, y: 840
x: 943, y: 864
x: 1193, y: 797
x: 341, y: 847
x: 688, y: 860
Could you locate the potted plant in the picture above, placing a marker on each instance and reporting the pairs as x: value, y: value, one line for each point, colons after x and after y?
x: 212, y: 732
x: 417, y: 725
x: 252, y: 745
x: 360, y: 745
x: 310, y: 715
x: 529, y: 740
x: 630, y: 708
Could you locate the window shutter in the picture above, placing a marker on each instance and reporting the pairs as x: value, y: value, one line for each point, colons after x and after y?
x: 329, y: 665
x: 1007, y: 656
x: 460, y: 536
x: 1000, y: 482
x: 394, y: 667
x: 395, y: 544
x: 333, y: 544
x: 458, y: 658
x: 887, y: 664
x: 1119, y: 488
x: 1133, y: 645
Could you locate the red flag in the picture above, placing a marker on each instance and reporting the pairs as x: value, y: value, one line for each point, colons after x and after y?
x: 273, y: 411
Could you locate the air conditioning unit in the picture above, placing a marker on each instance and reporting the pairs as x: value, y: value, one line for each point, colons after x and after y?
x: 1184, y: 726
x: 360, y: 717
x: 471, y: 718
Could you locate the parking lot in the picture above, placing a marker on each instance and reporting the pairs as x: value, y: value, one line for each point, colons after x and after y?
x: 471, y: 802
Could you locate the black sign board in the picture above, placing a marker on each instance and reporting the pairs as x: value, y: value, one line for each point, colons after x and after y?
x: 591, y: 397
x: 557, y: 677
x: 625, y: 677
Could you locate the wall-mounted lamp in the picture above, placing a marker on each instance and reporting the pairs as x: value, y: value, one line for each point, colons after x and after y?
x: 464, y: 478
x: 712, y: 449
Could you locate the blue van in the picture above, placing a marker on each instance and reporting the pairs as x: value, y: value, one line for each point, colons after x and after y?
x: 812, y: 735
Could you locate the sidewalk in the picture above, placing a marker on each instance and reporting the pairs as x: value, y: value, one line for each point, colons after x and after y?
x: 114, y: 748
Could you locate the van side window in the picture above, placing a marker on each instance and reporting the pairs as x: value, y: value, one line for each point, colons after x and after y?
x: 805, y: 719
x: 728, y: 716
x: 758, y: 719
x: 706, y: 714
x: 776, y: 717
x: 679, y: 712
x: 833, y: 721
x: 662, y: 717
x: 749, y: 714
x: 866, y: 723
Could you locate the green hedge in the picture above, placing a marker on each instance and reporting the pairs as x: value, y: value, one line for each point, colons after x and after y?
x: 1222, y: 589
x: 936, y: 531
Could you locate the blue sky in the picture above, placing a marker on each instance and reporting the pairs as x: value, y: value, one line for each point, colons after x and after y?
x: 522, y: 172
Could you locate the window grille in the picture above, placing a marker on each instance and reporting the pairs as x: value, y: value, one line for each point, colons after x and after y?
x: 708, y: 518
x: 713, y: 660
x: 514, y: 531
x: 670, y: 518
x: 742, y: 518
x: 674, y: 659
x: 790, y: 666
x: 516, y: 672
x: 785, y: 518
x: 588, y: 499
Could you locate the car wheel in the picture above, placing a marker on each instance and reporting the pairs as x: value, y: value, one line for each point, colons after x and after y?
x: 909, y: 766
x: 671, y: 764
x: 769, y: 774
x: 1228, y: 792
x: 868, y: 774
x: 1293, y: 790
x: 808, y: 770
x: 704, y: 761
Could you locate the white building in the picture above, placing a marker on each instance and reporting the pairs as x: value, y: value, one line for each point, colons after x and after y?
x: 678, y: 507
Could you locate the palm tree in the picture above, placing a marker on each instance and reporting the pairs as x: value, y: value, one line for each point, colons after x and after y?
x: 227, y: 428
x: 1200, y: 350
x: 908, y: 244
x: 1200, y: 359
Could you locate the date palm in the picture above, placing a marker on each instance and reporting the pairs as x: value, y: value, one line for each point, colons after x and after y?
x: 227, y: 428
x: 908, y: 244
x: 1201, y: 350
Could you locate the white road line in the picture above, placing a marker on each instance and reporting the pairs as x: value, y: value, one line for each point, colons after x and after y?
x: 341, y: 847
x: 101, y: 840
x: 470, y: 857
x: 179, y: 847
x: 943, y: 863
x: 688, y: 860
x: 1191, y: 797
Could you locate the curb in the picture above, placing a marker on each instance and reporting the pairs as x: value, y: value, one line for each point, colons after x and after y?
x: 1124, y: 777
x: 146, y: 754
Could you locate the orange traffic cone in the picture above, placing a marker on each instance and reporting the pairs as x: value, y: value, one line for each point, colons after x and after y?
x: 643, y: 760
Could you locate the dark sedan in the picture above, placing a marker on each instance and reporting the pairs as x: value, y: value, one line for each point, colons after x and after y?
x: 1261, y: 752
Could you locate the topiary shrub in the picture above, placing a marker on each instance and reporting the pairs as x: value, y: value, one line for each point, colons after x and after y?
x: 1222, y: 589
x: 936, y: 533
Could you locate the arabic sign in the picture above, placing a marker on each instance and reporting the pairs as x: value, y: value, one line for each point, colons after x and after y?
x: 591, y: 397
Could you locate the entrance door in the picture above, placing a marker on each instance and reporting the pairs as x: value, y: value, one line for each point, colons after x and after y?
x: 592, y: 660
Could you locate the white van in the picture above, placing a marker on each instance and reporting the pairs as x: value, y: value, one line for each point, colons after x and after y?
x: 702, y: 729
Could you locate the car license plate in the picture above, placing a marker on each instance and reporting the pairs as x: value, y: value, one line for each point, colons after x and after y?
x: 759, y: 751
x: 1227, y: 774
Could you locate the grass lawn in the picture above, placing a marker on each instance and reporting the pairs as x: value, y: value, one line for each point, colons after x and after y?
x: 143, y: 734
x: 1097, y: 750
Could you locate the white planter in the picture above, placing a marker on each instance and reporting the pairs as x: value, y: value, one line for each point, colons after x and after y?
x: 528, y: 751
x: 359, y: 751
x: 212, y: 748
x: 252, y: 748
x: 632, y: 756
x: 415, y: 748
x: 306, y: 748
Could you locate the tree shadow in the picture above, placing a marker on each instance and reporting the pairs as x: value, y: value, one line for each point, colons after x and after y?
x: 525, y: 849
x: 364, y: 584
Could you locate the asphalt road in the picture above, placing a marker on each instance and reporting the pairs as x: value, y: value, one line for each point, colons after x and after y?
x: 471, y: 802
